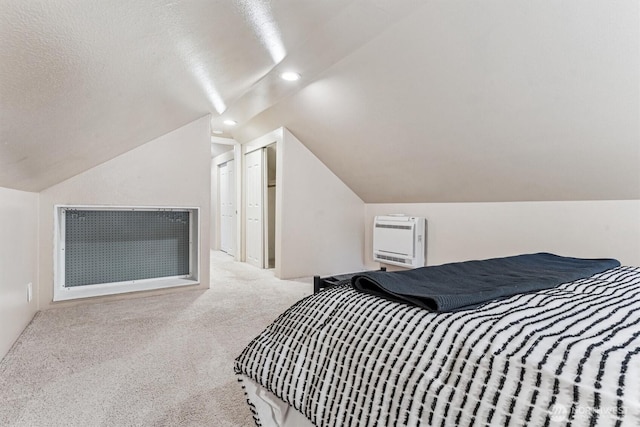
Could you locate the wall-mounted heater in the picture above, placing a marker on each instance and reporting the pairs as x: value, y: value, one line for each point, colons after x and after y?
x: 400, y: 240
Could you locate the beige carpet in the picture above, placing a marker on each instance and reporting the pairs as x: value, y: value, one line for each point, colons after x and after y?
x: 154, y: 361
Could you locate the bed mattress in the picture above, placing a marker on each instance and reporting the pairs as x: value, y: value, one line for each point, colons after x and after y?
x: 568, y: 355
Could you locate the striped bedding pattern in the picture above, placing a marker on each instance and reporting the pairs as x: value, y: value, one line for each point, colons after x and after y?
x: 566, y: 356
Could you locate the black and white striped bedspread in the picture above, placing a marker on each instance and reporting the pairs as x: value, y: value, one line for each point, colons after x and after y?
x: 564, y: 356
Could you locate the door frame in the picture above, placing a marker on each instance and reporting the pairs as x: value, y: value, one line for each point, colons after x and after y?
x: 230, y: 185
x: 274, y: 137
x: 236, y: 155
x: 260, y: 153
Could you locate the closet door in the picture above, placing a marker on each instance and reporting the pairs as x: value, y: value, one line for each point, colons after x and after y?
x: 255, y: 207
x: 227, y: 208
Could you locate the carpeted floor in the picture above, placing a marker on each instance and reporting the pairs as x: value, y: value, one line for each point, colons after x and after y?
x: 154, y: 361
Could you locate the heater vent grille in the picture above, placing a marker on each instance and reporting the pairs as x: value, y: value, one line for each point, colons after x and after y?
x: 392, y: 259
x: 398, y: 227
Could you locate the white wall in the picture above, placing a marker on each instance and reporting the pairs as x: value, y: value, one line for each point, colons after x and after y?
x: 172, y: 170
x: 18, y: 263
x: 320, y: 220
x: 464, y: 231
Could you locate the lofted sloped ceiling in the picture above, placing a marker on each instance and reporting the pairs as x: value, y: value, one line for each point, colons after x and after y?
x: 82, y: 81
x: 466, y: 101
x: 405, y: 100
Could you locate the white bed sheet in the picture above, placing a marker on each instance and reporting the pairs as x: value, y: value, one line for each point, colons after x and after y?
x: 272, y: 411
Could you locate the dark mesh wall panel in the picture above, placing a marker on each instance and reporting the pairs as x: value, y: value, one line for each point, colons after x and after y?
x: 117, y: 246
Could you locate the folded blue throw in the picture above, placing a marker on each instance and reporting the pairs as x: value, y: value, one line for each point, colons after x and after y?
x: 465, y: 285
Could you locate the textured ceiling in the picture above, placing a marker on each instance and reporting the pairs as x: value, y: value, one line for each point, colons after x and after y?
x: 463, y: 101
x: 84, y: 81
x: 405, y: 100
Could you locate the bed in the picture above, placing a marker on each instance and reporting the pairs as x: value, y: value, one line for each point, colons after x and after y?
x: 566, y: 355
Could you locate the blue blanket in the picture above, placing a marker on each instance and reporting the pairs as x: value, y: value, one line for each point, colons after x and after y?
x: 466, y: 285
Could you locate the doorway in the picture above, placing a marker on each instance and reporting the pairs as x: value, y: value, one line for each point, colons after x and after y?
x: 261, y: 206
x: 270, y: 247
x: 227, y: 194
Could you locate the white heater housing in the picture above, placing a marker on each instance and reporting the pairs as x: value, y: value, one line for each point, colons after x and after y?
x: 400, y: 240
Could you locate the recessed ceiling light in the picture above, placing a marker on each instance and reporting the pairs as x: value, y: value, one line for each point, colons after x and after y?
x: 217, y: 131
x: 230, y: 122
x: 290, y: 76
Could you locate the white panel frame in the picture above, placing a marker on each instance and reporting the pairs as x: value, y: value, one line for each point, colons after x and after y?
x: 62, y: 293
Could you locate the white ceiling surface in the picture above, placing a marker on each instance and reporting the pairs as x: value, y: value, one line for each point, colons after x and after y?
x: 84, y: 81
x: 504, y: 100
x: 405, y: 100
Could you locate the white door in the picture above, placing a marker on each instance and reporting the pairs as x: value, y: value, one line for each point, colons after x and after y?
x: 227, y: 208
x: 255, y: 211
